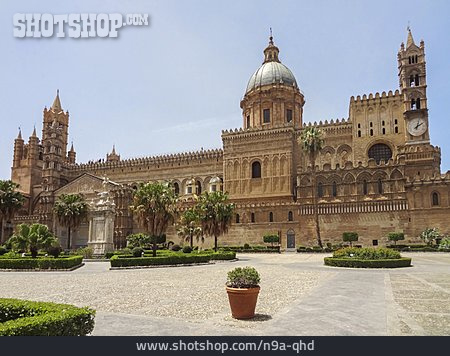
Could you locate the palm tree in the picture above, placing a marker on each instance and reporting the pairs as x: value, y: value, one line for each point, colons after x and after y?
x: 32, y: 237
x: 71, y: 210
x: 155, y: 206
x: 188, y: 227
x: 312, y: 142
x: 215, y: 214
x: 11, y: 201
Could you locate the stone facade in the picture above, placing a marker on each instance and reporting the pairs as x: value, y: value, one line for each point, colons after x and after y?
x: 377, y: 172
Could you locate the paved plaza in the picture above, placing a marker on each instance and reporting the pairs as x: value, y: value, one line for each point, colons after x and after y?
x: 299, y: 296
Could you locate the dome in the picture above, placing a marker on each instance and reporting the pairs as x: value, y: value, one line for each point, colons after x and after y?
x: 271, y: 73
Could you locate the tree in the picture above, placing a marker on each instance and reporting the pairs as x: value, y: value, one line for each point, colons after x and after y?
x: 271, y: 239
x: 33, y: 238
x: 215, y: 214
x: 71, y: 210
x: 350, y: 237
x: 138, y: 240
x: 155, y: 206
x: 429, y: 235
x: 396, y: 236
x: 189, y: 226
x: 312, y: 142
x: 11, y: 201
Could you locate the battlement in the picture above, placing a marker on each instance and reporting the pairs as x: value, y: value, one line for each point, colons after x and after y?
x: 429, y: 179
x: 212, y: 154
x: 374, y: 98
x: 257, y: 131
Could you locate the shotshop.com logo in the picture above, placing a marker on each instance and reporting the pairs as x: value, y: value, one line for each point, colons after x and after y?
x: 74, y: 25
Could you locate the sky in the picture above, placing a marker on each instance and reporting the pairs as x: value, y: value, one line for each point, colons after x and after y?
x: 174, y: 85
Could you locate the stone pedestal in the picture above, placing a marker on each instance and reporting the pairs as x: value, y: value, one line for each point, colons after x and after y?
x: 101, y: 224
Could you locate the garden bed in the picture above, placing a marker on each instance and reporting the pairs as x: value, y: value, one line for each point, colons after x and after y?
x: 27, y: 318
x: 359, y: 263
x: 41, y: 263
x: 172, y: 259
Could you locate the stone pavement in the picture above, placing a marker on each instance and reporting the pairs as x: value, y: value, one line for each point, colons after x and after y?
x: 299, y: 296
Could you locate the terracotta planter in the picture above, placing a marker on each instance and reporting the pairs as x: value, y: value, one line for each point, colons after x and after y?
x: 243, y: 302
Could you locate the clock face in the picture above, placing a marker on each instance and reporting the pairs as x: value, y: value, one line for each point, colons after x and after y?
x: 417, y: 127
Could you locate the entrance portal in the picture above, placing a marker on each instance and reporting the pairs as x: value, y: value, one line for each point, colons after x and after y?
x: 290, y: 241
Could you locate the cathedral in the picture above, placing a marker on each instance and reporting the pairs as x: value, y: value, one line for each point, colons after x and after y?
x: 377, y: 172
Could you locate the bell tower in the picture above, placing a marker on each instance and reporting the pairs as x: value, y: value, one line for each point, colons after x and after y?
x: 413, y: 85
x: 54, y: 141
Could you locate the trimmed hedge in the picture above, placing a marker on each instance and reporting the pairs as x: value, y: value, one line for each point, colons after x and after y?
x: 358, y: 263
x: 27, y: 318
x: 41, y: 263
x: 175, y: 259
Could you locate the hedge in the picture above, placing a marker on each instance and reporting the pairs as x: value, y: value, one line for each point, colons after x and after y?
x: 175, y: 259
x: 27, y: 318
x: 41, y: 263
x: 358, y: 263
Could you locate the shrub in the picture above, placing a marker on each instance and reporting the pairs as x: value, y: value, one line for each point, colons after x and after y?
x: 429, y: 235
x: 396, y: 236
x: 367, y: 253
x: 26, y: 318
x: 171, y: 259
x: 176, y: 247
x: 360, y: 263
x: 445, y: 244
x: 187, y: 249
x: 54, y: 251
x: 86, y: 252
x: 243, y: 277
x: 137, y: 252
x: 40, y: 263
x: 3, y: 250
x: 350, y: 237
x: 246, y: 246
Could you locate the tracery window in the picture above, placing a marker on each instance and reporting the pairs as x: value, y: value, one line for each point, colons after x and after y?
x: 380, y: 152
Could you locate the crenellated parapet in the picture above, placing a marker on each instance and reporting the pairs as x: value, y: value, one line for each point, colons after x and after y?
x: 240, y: 133
x: 338, y: 127
x: 169, y: 159
x: 377, y: 98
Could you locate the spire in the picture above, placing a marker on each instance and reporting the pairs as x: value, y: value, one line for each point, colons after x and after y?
x: 410, y: 40
x: 34, y: 132
x: 19, y: 136
x: 71, y: 148
x: 113, y: 152
x: 271, y: 51
x: 57, y: 103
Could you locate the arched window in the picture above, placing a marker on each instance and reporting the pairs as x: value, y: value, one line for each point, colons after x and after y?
x: 290, y: 216
x: 435, y: 199
x: 380, y: 186
x: 270, y: 217
x: 334, y: 189
x: 380, y: 152
x: 320, y: 190
x: 416, y: 80
x: 248, y: 121
x: 359, y: 133
x: 396, y: 129
x: 198, y: 188
x: 176, y: 188
x: 365, y: 189
x: 238, y: 219
x: 371, y: 132
x: 256, y: 169
x: 252, y: 216
x: 418, y: 103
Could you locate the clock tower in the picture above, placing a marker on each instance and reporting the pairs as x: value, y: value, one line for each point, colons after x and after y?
x: 413, y: 85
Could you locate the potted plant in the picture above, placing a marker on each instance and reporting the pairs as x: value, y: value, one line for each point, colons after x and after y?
x: 243, y: 288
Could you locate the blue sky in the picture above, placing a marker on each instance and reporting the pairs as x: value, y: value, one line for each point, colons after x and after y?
x: 174, y: 85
